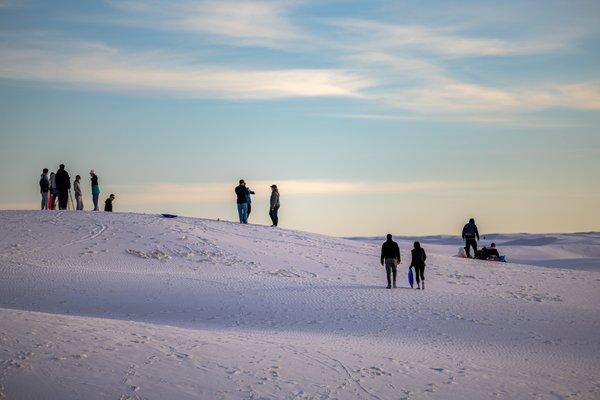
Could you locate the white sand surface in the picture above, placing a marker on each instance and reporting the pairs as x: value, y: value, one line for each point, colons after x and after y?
x: 133, y: 306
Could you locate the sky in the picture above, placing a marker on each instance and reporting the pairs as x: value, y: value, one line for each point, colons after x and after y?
x: 372, y: 117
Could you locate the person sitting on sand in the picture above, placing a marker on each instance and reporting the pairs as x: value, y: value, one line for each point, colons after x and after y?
x: 488, y: 253
x: 108, y: 203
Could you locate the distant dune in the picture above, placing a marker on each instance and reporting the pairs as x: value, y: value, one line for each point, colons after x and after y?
x: 564, y: 250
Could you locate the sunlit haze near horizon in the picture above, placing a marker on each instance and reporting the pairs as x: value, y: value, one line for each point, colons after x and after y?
x: 372, y: 117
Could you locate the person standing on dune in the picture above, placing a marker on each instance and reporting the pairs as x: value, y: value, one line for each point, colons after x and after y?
x: 63, y: 184
x: 241, y: 193
x: 469, y: 233
x: 78, y: 195
x: 274, y: 205
x: 44, y: 187
x: 249, y: 194
x: 95, y: 189
x: 390, y: 257
x: 418, y: 258
x: 53, y: 191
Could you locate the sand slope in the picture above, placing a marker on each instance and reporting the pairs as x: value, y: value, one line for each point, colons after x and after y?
x: 97, y: 305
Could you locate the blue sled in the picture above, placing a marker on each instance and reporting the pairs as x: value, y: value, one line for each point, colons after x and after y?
x: 169, y: 215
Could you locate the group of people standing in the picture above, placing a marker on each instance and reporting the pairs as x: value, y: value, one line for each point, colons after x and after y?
x: 244, y: 203
x: 56, y: 188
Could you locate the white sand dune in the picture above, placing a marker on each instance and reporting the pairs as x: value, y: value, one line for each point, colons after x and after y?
x: 133, y: 306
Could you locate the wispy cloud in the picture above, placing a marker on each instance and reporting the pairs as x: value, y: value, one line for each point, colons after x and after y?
x: 399, y: 66
x: 215, y: 192
x: 102, y: 67
x: 247, y: 23
x: 447, y: 41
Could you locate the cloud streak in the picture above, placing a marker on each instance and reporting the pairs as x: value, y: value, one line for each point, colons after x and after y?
x: 217, y: 192
x: 248, y: 23
x: 106, y: 68
x: 445, y: 41
x: 398, y: 66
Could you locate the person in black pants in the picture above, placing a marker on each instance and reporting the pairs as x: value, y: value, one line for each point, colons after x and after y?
x: 390, y: 257
x: 418, y: 262
x: 469, y: 233
x: 274, y: 205
x: 63, y: 184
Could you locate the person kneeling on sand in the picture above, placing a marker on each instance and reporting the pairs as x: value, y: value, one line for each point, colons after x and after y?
x: 418, y: 263
x: 108, y: 203
x: 390, y: 257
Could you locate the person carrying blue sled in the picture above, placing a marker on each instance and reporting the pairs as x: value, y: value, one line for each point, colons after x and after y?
x: 418, y: 263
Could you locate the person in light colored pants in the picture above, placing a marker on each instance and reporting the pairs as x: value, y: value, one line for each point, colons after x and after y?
x: 78, y: 194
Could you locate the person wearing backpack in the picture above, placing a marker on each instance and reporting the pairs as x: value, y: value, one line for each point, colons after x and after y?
x: 418, y: 258
x: 470, y: 234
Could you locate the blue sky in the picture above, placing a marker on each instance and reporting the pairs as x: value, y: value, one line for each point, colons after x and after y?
x: 400, y: 116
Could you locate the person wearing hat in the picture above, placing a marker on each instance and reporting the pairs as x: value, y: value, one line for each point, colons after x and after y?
x: 95, y: 189
x: 241, y: 193
x: 274, y: 203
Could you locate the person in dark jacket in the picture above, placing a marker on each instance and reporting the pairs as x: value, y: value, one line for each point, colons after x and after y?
x: 274, y: 205
x: 490, y: 253
x: 44, y: 188
x: 469, y: 234
x: 95, y: 189
x: 108, y: 203
x: 493, y: 251
x: 390, y: 257
x: 418, y: 258
x: 241, y: 193
x: 63, y: 184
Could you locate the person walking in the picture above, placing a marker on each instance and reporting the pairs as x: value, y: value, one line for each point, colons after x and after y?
x: 469, y: 234
x: 108, y: 206
x: 44, y: 188
x: 390, y: 257
x: 78, y: 194
x: 95, y: 189
x: 53, y: 191
x: 241, y: 193
x: 63, y: 184
x: 274, y: 205
x: 418, y: 258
